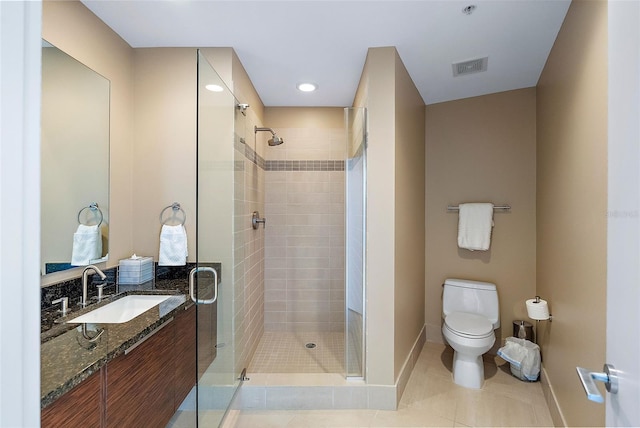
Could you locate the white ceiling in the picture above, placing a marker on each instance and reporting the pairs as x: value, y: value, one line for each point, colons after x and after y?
x: 281, y: 43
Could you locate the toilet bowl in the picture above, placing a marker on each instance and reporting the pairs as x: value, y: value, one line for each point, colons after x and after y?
x: 471, y: 315
x: 470, y: 336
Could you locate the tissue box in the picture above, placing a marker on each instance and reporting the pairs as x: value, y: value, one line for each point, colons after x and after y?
x: 135, y: 271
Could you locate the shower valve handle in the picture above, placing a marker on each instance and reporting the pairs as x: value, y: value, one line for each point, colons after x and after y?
x: 256, y: 220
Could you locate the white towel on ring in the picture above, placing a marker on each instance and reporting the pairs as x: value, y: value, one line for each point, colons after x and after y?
x: 474, y: 226
x: 87, y: 245
x: 173, y: 246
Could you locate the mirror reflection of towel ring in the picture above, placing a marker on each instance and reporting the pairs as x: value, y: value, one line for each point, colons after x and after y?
x: 175, y: 207
x: 93, y: 207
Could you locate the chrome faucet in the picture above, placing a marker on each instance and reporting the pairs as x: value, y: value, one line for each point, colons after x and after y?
x: 85, y: 278
x: 64, y: 301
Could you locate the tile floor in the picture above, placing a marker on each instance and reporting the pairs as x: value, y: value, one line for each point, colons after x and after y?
x: 285, y: 352
x: 430, y: 399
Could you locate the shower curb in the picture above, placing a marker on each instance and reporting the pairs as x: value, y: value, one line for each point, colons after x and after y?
x: 350, y: 395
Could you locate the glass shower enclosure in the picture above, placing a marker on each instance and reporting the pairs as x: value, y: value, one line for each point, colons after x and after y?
x: 355, y: 240
x: 220, y: 256
x: 219, y: 248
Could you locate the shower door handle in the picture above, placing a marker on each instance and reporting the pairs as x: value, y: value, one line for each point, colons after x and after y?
x: 192, y: 275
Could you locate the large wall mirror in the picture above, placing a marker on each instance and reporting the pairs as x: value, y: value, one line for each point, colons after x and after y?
x: 75, y: 163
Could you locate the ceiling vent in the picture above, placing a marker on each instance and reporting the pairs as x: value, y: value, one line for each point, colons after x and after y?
x: 468, y: 67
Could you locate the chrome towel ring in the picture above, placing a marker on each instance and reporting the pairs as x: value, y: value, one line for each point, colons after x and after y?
x: 93, y: 207
x: 175, y: 207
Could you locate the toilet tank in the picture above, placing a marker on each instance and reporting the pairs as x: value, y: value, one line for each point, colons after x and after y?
x: 476, y: 297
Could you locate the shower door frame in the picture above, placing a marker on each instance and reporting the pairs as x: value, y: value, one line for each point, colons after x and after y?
x: 361, y: 138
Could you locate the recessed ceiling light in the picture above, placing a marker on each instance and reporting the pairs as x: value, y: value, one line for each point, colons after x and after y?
x: 307, y: 87
x: 214, y: 88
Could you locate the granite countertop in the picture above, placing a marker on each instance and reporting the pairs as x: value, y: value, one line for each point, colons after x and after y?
x: 67, y: 358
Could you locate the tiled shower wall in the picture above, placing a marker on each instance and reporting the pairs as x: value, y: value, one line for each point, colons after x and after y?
x: 249, y: 244
x: 253, y: 317
x: 304, y: 242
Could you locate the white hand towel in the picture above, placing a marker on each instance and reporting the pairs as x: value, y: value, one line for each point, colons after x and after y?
x: 173, y: 246
x: 474, y: 226
x: 87, y: 245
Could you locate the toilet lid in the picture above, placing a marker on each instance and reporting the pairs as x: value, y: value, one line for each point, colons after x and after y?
x: 468, y: 324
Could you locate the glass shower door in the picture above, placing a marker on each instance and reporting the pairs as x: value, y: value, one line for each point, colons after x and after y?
x: 355, y: 236
x: 217, y: 246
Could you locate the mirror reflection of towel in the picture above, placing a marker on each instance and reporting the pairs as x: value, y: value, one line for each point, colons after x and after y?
x: 87, y: 245
x: 173, y: 246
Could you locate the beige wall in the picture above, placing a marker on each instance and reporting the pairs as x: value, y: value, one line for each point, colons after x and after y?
x: 71, y: 27
x: 378, y: 81
x: 572, y: 205
x: 482, y: 149
x: 164, y: 169
x: 410, y: 214
x: 396, y: 123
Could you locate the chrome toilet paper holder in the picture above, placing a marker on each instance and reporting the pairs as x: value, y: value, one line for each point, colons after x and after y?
x: 550, y: 318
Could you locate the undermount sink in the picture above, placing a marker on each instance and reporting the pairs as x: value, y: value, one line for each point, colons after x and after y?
x: 122, y: 310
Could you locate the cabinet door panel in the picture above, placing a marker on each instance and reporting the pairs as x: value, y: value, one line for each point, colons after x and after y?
x: 140, y: 385
x: 81, y: 407
x: 185, y: 352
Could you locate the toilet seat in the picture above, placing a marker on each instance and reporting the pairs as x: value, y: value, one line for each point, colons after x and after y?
x: 472, y: 326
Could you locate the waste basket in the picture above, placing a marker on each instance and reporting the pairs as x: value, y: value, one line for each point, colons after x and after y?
x: 523, y: 330
x: 523, y: 356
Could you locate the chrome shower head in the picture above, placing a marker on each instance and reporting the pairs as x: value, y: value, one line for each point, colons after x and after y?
x: 275, y: 141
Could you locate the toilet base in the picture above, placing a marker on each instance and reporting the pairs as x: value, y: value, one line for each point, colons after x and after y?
x: 468, y: 370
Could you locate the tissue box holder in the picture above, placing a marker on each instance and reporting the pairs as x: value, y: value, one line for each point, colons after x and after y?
x: 135, y: 271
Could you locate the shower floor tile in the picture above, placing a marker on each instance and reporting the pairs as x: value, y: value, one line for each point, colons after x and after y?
x: 286, y: 352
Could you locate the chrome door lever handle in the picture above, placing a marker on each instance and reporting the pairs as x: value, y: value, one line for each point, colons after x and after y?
x: 609, y: 376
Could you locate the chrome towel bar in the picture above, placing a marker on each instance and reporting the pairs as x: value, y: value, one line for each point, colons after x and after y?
x: 495, y: 207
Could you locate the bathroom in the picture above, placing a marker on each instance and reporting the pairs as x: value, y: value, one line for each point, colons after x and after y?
x: 545, y: 184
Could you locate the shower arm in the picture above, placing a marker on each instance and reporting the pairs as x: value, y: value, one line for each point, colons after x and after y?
x: 256, y: 130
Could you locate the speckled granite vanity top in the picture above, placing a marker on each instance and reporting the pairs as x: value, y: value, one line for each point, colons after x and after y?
x: 67, y: 358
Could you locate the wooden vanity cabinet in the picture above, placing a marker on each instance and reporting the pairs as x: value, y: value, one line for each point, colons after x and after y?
x: 185, y: 354
x: 140, y: 384
x: 82, y: 407
x: 142, y: 388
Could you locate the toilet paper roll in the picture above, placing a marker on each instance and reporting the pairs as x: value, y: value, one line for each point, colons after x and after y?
x: 538, y: 310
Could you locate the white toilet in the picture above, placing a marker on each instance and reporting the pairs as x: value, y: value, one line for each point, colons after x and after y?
x: 471, y: 314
